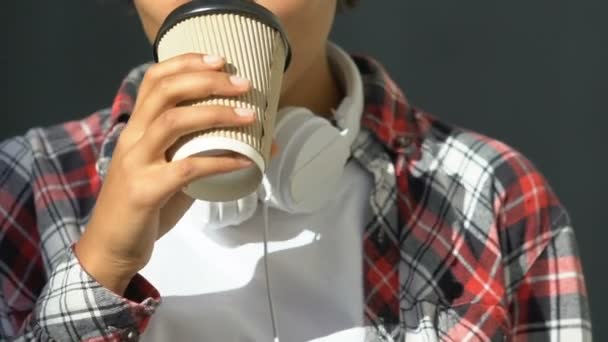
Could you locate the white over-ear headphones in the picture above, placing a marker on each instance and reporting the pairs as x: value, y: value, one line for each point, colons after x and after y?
x: 312, y: 155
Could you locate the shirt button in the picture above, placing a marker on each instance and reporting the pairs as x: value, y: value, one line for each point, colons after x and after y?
x: 405, y: 144
x: 132, y: 335
x: 403, y: 141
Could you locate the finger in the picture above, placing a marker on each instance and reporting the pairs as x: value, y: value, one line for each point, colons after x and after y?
x: 189, y: 62
x: 174, y: 176
x: 180, y: 121
x: 175, y: 89
x: 274, y: 149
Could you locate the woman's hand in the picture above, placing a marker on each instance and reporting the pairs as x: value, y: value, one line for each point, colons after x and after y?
x: 141, y: 197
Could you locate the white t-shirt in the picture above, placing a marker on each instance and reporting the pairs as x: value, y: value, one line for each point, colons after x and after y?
x: 213, y: 286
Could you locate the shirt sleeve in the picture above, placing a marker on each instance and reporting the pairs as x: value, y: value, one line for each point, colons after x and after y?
x: 545, y: 283
x: 64, y: 303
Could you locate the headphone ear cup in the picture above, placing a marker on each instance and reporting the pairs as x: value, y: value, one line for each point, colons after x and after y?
x: 310, y: 163
x: 315, y: 178
x: 292, y: 120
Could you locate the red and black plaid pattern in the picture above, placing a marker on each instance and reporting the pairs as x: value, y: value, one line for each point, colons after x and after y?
x: 48, y: 186
x: 467, y: 241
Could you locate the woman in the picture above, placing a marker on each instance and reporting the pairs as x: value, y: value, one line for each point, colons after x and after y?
x: 435, y: 232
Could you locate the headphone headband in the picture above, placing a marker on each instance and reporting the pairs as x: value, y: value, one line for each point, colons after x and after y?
x: 348, y: 113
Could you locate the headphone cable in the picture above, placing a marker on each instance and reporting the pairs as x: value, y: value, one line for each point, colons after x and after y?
x: 273, y: 318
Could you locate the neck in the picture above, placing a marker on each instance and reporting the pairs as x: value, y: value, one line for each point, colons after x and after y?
x: 317, y: 89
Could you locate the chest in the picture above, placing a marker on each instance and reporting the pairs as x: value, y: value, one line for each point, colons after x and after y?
x: 213, y: 285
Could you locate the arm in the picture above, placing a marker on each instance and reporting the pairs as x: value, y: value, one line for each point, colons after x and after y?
x: 63, y: 304
x: 545, y: 283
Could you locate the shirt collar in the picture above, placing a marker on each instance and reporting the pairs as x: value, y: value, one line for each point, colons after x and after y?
x: 387, y: 113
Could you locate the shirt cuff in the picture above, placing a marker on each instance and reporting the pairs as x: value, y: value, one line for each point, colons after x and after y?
x: 75, y: 307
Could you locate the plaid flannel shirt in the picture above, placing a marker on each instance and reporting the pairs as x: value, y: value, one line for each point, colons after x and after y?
x: 467, y: 241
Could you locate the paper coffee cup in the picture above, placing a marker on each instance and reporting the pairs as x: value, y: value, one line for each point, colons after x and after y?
x: 255, y: 47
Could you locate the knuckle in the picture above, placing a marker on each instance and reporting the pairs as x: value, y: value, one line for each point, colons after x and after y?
x: 165, y: 84
x: 207, y: 82
x: 215, y: 116
x: 153, y: 73
x: 186, y: 168
x: 169, y: 120
x: 165, y: 87
x: 193, y: 60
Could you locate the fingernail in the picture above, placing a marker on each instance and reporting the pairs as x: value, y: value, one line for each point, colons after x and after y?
x: 274, y: 150
x: 245, y: 161
x: 212, y: 59
x: 244, y: 112
x: 239, y: 81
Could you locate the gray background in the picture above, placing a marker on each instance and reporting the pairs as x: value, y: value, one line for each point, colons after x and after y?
x: 531, y: 73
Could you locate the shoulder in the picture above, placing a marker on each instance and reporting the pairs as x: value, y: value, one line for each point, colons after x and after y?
x: 482, y: 199
x: 84, y: 135
x: 72, y: 142
x: 477, y: 163
x: 57, y: 161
